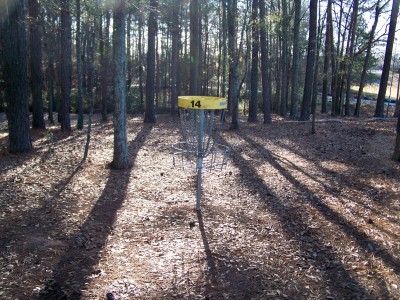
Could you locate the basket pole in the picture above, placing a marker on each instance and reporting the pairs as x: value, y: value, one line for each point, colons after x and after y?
x: 200, y: 158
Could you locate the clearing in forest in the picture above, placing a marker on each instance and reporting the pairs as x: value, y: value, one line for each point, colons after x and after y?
x: 293, y: 215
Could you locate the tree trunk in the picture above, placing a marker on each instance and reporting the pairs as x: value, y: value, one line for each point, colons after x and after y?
x: 36, y: 65
x: 264, y: 65
x: 285, y: 61
x: 65, y: 65
x: 128, y: 53
x: 331, y: 51
x: 176, y: 32
x: 50, y: 69
x: 306, y: 104
x: 316, y: 73
x: 16, y: 81
x: 324, y: 100
x: 396, y: 154
x: 352, y: 34
x: 120, y: 157
x: 195, y: 36
x: 79, y: 65
x: 224, y: 50
x: 105, y: 67
x: 380, y: 103
x: 140, y: 64
x: 150, y: 116
x: 294, y: 110
x: 233, y: 96
x: 253, y: 105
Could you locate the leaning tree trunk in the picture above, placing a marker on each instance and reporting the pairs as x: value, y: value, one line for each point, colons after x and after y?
x: 36, y: 64
x: 366, y: 60
x: 120, y: 157
x: 16, y: 82
x: 380, y: 103
x: 65, y: 65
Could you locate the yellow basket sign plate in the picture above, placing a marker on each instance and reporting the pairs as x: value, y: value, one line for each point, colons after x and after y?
x: 202, y: 102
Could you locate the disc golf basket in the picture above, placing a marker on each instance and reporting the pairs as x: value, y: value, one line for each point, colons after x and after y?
x: 201, y: 118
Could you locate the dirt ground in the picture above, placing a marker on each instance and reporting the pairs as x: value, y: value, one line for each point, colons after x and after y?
x: 293, y: 215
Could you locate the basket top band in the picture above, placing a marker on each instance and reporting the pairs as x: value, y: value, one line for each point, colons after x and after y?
x: 202, y: 102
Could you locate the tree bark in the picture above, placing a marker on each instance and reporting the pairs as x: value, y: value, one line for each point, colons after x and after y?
x: 264, y: 65
x: 294, y: 110
x: 105, y: 63
x: 396, y: 154
x: 233, y: 96
x: 194, y: 47
x: 149, y: 115
x: 65, y: 65
x: 120, y: 157
x: 306, y: 104
x: 351, y: 57
x: 380, y: 103
x: 79, y: 65
x: 176, y: 32
x: 331, y: 47
x: 36, y: 64
x: 253, y: 105
x: 285, y: 61
x: 16, y: 81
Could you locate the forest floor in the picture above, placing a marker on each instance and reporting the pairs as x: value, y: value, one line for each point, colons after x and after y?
x: 293, y: 215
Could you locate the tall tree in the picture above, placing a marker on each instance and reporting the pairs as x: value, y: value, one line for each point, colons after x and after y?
x: 176, y: 33
x: 396, y: 154
x: 371, y: 35
x: 307, y: 96
x: 380, y: 103
x: 331, y: 51
x: 120, y: 157
x: 150, y: 115
x: 65, y: 65
x: 253, y: 105
x: 35, y: 43
x: 105, y: 63
x: 79, y: 65
x: 264, y: 64
x: 353, y: 29
x: 324, y: 97
x: 233, y: 97
x: 294, y: 110
x: 15, y: 76
x: 195, y: 44
x: 285, y: 60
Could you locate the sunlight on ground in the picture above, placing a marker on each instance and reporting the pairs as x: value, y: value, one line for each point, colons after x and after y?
x: 336, y: 166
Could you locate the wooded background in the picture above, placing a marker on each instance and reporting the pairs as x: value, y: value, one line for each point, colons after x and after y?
x: 283, y: 57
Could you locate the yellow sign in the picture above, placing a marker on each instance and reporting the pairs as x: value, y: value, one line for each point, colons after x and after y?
x: 202, y: 102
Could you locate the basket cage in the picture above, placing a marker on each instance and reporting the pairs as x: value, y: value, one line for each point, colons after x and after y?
x: 186, y: 153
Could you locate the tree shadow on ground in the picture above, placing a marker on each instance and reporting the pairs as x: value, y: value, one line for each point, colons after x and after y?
x: 359, y: 237
x: 293, y: 222
x: 78, y: 263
